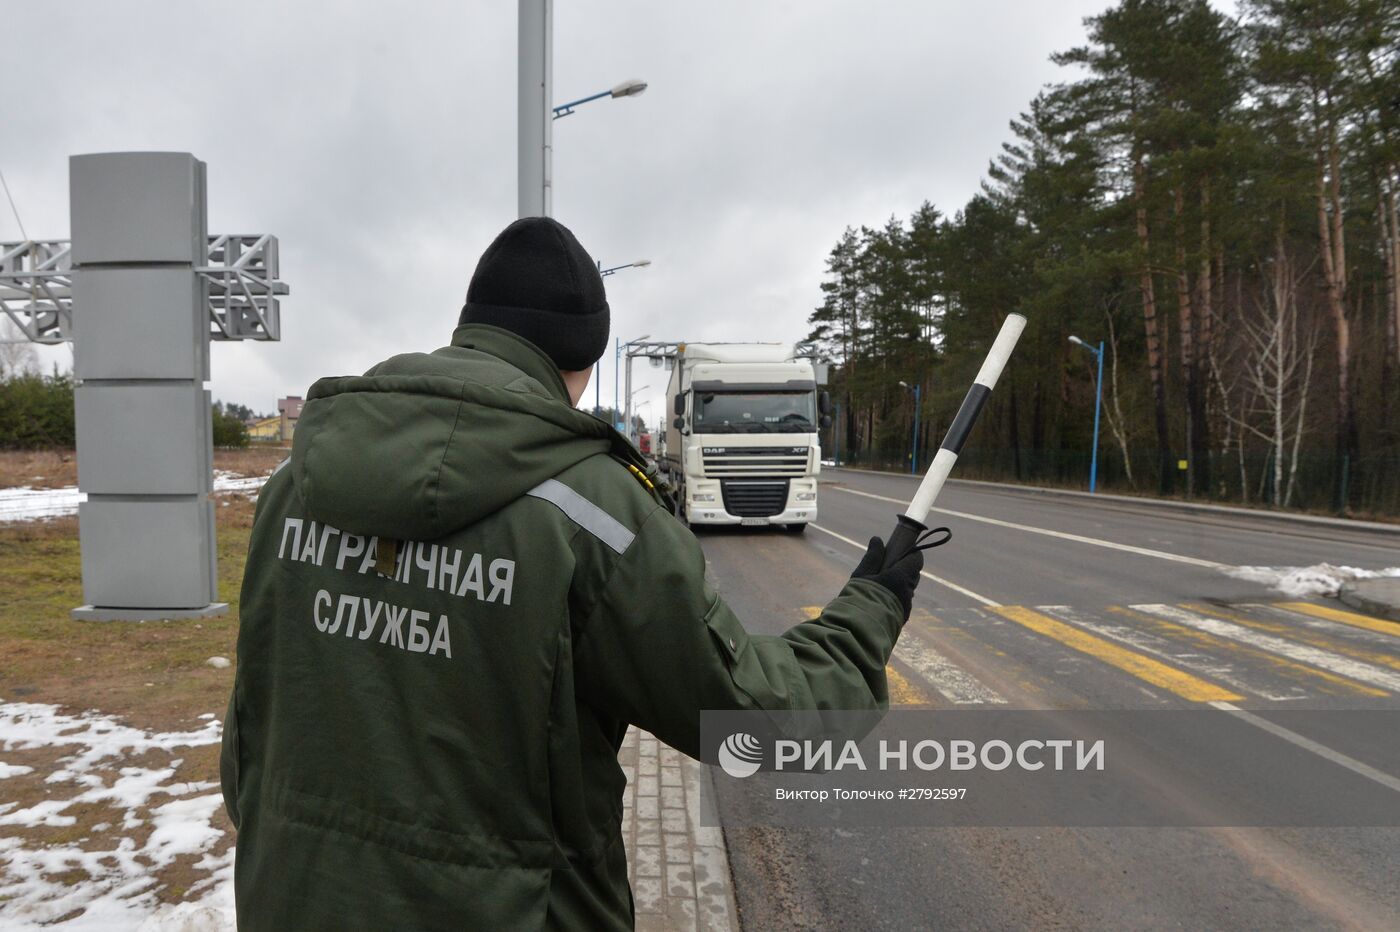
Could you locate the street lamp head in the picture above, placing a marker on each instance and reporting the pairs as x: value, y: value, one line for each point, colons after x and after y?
x: 904, y: 384
x: 641, y: 263
x: 629, y: 88
x: 1076, y: 341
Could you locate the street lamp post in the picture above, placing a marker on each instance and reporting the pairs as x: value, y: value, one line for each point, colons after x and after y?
x: 535, y: 141
x: 597, y: 379
x: 639, y: 264
x: 914, y: 461
x: 534, y: 115
x: 627, y: 432
x: 625, y: 89
x: 1098, y: 405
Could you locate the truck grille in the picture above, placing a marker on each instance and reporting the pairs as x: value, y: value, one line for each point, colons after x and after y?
x: 720, y: 462
x: 755, y: 498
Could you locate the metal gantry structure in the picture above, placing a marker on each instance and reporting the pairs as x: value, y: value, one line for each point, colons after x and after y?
x: 141, y: 289
x: 645, y: 349
x: 36, y: 289
x: 241, y: 298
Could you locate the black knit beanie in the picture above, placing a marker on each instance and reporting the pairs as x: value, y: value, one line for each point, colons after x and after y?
x: 535, y: 280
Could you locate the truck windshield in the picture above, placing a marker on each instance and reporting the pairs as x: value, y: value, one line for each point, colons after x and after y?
x: 751, y: 412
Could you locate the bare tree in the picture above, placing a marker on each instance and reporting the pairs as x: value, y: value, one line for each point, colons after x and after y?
x: 1233, y: 434
x: 17, y: 356
x: 1114, y: 414
x: 1275, y: 375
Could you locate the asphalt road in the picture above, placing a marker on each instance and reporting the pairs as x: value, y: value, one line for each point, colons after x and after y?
x: 1051, y: 603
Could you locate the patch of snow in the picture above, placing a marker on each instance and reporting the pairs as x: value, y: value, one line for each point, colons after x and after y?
x: 26, y: 504
x: 1321, y: 579
x: 13, y: 770
x: 22, y: 503
x: 28, y: 725
x: 206, y: 716
x: 219, y: 663
x: 121, y: 889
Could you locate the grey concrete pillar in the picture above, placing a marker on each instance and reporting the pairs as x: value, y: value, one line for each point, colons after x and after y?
x: 141, y: 357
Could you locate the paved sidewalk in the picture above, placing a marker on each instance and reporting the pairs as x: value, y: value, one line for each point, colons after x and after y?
x: 678, y: 868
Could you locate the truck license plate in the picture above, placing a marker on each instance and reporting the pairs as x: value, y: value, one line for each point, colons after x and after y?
x: 751, y: 522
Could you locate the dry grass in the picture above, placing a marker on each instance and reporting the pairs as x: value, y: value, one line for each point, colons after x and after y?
x: 154, y: 671
x: 151, y: 672
x: 38, y: 469
x: 56, y: 469
x: 256, y: 460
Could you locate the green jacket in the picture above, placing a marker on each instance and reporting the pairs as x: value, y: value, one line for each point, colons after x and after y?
x: 427, y: 738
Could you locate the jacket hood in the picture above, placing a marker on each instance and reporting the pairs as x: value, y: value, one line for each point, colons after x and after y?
x: 425, y: 444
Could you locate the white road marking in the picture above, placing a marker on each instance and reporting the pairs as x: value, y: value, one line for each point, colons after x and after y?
x: 1321, y: 750
x: 1077, y: 538
x: 1324, y: 659
x: 959, y: 686
x: 938, y: 579
x: 1156, y: 645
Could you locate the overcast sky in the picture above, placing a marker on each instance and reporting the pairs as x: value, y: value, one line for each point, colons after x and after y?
x: 378, y: 143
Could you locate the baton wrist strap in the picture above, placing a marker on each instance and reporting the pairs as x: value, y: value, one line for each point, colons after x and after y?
x: 910, y: 535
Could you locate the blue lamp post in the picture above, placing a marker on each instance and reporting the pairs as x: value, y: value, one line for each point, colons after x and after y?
x: 625, y: 89
x: 1098, y: 406
x: 914, y: 460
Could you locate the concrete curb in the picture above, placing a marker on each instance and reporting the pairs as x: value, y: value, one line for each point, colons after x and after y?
x: 1167, y: 504
x: 1379, y: 597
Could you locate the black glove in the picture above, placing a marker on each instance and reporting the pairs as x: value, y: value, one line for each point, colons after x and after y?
x: 900, y: 579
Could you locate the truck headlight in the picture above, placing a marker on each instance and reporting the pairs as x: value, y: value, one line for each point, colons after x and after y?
x: 806, y: 496
x: 703, y: 497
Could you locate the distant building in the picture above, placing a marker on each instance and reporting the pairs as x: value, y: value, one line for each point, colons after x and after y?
x: 264, y: 429
x: 290, y: 409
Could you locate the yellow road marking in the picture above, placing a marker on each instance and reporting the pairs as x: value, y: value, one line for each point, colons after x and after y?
x: 1211, y: 642
x: 902, y: 692
x: 1183, y: 684
x: 1305, y: 635
x: 1346, y: 618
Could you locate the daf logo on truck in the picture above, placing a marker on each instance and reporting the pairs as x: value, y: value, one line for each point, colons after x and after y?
x: 743, y: 446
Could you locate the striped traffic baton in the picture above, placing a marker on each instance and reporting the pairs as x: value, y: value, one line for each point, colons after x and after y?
x: 908, y: 533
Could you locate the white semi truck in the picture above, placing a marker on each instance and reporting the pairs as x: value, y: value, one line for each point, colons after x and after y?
x: 743, y: 447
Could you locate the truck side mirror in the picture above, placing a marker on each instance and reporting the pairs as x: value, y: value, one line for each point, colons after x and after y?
x: 824, y: 403
x: 826, y: 420
x: 678, y: 423
x: 678, y: 406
